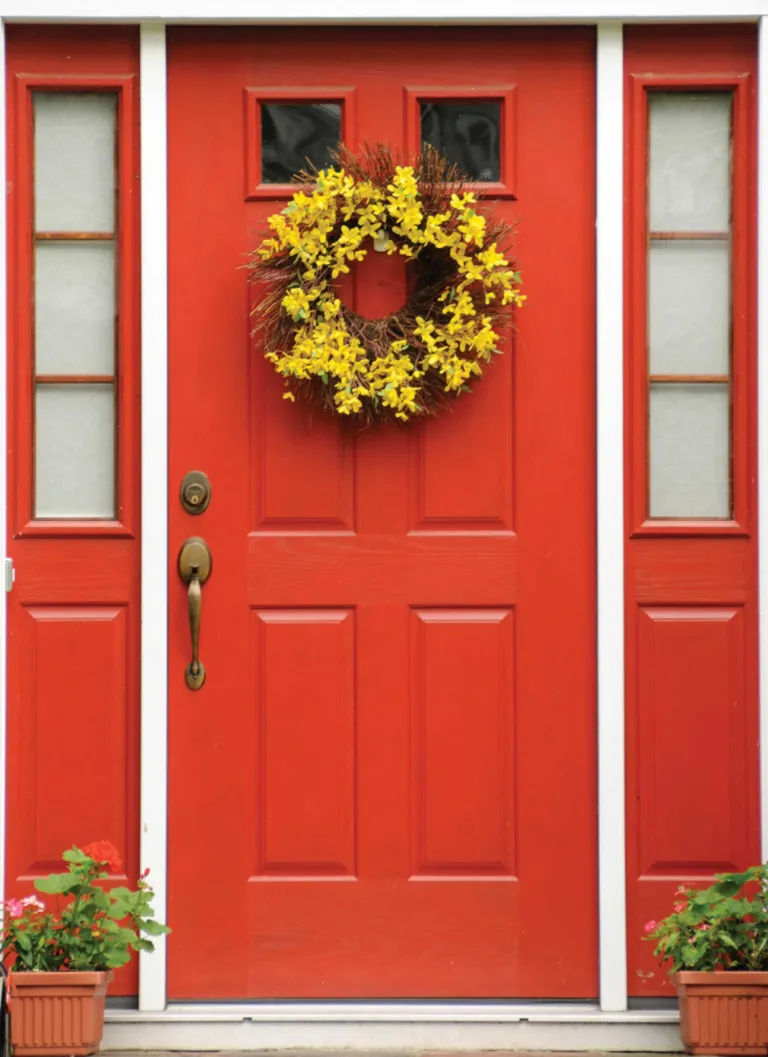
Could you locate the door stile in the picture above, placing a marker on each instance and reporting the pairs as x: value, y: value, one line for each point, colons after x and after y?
x: 612, y: 913
x: 154, y: 496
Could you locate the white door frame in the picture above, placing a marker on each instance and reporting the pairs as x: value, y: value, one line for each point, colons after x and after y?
x: 154, y: 495
x: 608, y: 15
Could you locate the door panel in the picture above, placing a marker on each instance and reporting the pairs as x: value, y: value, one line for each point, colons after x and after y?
x: 391, y: 765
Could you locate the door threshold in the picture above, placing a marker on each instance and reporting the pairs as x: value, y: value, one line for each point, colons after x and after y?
x: 366, y: 1026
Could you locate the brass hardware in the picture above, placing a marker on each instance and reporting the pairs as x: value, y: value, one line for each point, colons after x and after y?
x: 195, y: 563
x: 195, y: 492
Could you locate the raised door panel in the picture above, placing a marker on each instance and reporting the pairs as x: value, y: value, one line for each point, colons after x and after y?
x: 305, y: 756
x: 71, y: 737
x: 463, y: 744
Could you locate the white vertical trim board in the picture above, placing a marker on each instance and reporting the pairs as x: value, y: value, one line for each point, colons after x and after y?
x: 762, y: 415
x: 154, y: 496
x: 610, y: 518
x: 3, y: 461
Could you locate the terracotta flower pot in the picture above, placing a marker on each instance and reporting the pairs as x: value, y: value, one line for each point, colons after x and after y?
x: 57, y: 1014
x: 723, y: 1013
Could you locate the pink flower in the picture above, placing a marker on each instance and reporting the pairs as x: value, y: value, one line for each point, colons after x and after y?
x: 703, y: 927
x: 679, y: 908
x: 33, y: 901
x: 651, y: 926
x: 15, y: 908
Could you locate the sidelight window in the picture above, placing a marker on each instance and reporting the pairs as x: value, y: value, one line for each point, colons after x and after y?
x: 689, y: 299
x: 75, y: 304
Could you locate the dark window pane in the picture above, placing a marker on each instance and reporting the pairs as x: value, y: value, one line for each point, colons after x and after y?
x: 294, y: 135
x: 468, y: 133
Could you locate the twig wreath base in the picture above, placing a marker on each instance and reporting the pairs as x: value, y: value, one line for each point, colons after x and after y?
x: 461, y: 286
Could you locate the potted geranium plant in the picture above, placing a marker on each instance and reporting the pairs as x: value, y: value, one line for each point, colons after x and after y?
x: 715, y: 942
x: 62, y: 954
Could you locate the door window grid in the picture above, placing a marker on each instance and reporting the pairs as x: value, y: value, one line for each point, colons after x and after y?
x: 484, y: 117
x: 296, y: 137
x: 286, y: 126
x: 467, y: 132
x: 689, y: 305
x: 75, y: 304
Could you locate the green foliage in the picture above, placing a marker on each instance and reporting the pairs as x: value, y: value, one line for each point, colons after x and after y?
x: 723, y: 927
x: 96, y: 929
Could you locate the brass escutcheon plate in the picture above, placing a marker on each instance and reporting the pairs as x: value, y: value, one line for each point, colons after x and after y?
x: 195, y: 492
x: 195, y: 554
x: 194, y: 681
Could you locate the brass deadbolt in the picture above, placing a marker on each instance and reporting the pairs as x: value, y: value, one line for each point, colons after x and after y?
x: 195, y: 492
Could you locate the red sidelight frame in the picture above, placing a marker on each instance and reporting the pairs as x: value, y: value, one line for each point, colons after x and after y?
x: 691, y: 632
x: 505, y: 95
x: 21, y: 300
x: 74, y: 624
x: 255, y: 190
x: 743, y: 377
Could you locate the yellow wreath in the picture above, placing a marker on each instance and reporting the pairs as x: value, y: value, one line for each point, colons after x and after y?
x: 409, y: 362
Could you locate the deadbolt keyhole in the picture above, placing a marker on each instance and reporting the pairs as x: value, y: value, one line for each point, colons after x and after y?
x: 195, y: 492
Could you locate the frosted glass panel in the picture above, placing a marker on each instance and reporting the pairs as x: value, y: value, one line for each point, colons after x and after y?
x: 689, y: 307
x: 74, y: 161
x: 690, y: 451
x: 75, y: 308
x: 690, y: 161
x: 75, y: 451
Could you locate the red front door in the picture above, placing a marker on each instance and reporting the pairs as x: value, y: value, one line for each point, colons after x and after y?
x: 386, y: 786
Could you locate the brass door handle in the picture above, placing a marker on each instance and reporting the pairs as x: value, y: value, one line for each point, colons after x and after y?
x: 195, y: 563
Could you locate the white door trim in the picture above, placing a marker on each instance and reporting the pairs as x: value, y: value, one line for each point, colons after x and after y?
x: 154, y: 496
x: 382, y: 11
x: 612, y: 911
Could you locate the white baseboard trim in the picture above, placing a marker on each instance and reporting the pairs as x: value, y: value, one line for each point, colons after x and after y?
x: 392, y: 1026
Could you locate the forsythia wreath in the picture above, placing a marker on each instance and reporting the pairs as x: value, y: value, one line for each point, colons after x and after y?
x: 460, y: 283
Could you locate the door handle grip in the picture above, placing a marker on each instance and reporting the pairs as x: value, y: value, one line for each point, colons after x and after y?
x: 195, y: 564
x: 195, y: 673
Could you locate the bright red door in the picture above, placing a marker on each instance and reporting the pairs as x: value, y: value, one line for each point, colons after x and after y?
x: 386, y: 786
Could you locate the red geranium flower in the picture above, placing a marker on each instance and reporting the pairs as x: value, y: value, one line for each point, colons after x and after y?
x: 105, y: 852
